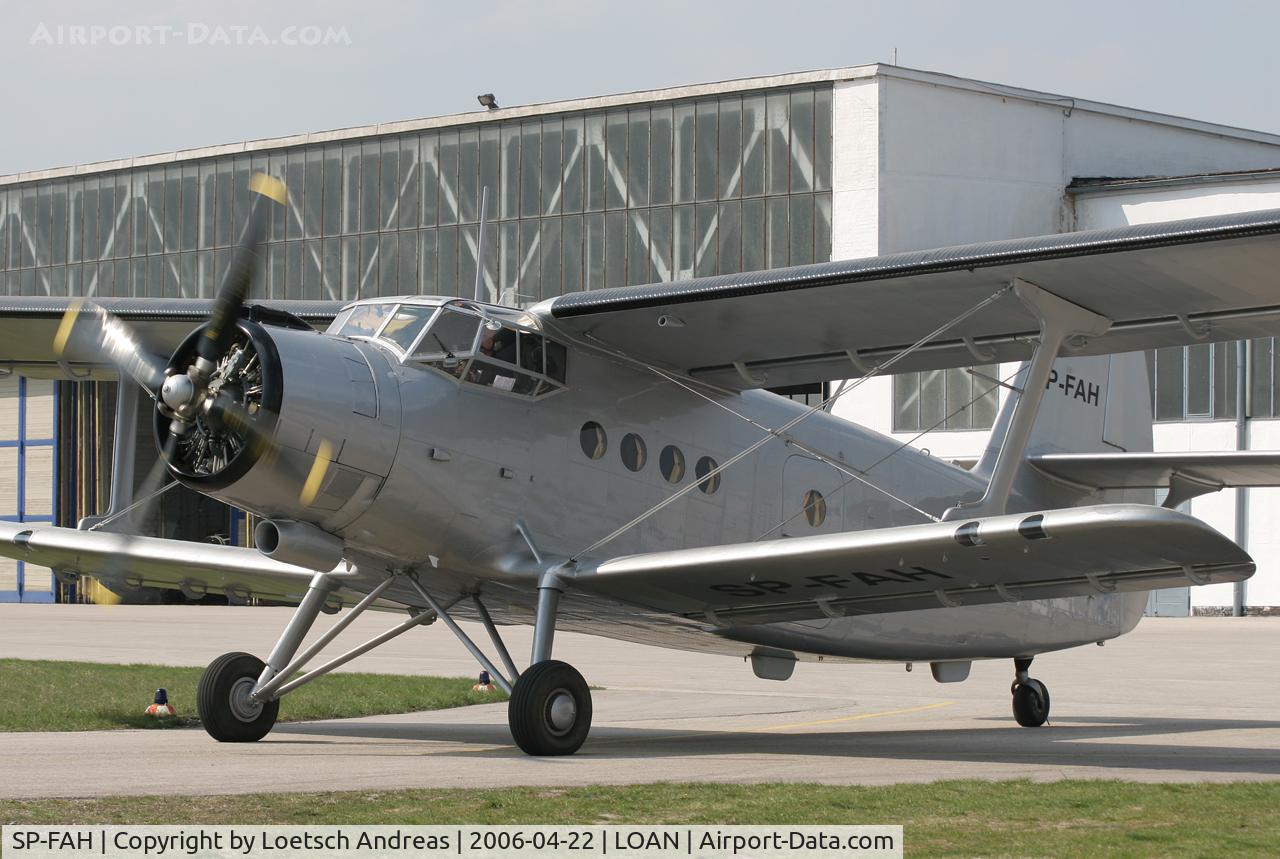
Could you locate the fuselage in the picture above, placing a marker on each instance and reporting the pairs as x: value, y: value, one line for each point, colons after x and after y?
x: 449, y: 463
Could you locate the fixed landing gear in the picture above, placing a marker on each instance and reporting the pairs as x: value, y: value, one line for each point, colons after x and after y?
x: 225, y: 702
x: 1030, y: 696
x: 550, y: 709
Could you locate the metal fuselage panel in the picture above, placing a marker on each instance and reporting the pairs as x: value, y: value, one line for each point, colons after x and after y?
x: 444, y: 470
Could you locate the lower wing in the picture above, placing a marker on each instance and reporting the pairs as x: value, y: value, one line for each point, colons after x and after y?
x: 1055, y: 553
x: 126, y: 561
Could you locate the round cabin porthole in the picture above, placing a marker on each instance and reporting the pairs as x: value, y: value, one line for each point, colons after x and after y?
x: 671, y: 461
x: 593, y: 440
x: 634, y: 453
x: 815, y: 508
x: 705, y: 466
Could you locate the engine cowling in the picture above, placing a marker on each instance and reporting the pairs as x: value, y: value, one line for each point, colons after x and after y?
x: 325, y: 415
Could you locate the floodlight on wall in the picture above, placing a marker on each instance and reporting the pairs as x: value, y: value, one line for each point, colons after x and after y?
x: 487, y: 100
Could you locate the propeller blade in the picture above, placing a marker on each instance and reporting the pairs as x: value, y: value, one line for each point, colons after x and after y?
x: 89, y: 327
x: 245, y: 259
x: 151, y: 484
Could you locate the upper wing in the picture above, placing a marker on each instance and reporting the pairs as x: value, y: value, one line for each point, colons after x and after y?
x: 1057, y: 553
x: 123, y: 560
x: 833, y: 320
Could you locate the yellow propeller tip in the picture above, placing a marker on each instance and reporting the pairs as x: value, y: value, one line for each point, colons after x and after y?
x: 64, y: 328
x: 269, y: 186
x: 315, y: 479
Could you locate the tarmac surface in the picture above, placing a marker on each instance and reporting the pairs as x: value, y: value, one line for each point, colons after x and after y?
x: 1177, y: 700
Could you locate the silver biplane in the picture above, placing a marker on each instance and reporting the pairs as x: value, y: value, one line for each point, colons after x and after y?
x: 609, y: 462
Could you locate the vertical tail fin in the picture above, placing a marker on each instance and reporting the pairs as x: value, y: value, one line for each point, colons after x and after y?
x: 1091, y: 404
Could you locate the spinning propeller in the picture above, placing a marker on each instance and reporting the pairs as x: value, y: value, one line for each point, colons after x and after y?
x: 213, y: 396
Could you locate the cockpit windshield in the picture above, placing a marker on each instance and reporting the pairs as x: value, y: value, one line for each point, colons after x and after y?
x: 405, y: 324
x: 363, y: 320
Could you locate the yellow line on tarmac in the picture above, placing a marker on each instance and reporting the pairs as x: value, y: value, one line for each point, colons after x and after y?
x: 856, y: 717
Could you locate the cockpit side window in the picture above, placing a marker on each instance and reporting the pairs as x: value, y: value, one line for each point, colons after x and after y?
x: 493, y: 354
x: 453, y: 332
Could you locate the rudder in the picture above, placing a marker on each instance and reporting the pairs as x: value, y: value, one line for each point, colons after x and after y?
x: 1091, y: 404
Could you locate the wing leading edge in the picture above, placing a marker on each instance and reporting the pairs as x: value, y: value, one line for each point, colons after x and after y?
x: 1056, y: 553
x: 1164, y: 284
x: 130, y: 561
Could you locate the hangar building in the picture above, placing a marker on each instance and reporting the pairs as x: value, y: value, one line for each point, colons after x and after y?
x: 627, y: 189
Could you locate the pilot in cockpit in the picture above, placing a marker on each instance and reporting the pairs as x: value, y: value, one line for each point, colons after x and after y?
x: 499, y: 344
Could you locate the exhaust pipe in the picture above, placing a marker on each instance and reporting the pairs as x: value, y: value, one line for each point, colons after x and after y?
x: 299, y: 544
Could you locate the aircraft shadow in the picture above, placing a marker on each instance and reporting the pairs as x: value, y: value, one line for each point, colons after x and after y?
x: 1082, y: 741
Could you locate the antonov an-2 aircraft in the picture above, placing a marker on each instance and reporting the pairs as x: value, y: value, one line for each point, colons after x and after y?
x: 607, y: 462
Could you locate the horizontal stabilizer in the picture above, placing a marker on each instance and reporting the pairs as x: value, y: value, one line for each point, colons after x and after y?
x: 1056, y: 553
x: 1186, y: 475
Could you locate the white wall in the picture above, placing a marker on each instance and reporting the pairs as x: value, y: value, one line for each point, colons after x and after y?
x: 1095, y: 211
x: 855, y: 168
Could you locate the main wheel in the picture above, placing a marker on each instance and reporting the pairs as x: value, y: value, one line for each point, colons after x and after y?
x: 1031, y: 704
x: 222, y: 700
x: 550, y: 709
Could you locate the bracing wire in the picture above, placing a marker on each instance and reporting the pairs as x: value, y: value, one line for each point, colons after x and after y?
x: 771, y: 434
x: 901, y: 447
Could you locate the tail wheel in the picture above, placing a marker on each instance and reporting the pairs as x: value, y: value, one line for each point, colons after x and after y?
x: 550, y: 709
x: 1031, y: 704
x: 226, y: 710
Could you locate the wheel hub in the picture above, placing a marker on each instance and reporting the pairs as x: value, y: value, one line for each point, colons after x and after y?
x: 562, y: 711
x: 244, y: 706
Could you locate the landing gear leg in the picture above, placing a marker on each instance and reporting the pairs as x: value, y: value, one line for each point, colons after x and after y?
x: 550, y: 708
x: 1030, y: 696
x: 227, y: 699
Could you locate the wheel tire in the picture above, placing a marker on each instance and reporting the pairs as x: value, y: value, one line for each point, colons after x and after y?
x: 530, y: 710
x: 1031, y: 704
x: 229, y: 721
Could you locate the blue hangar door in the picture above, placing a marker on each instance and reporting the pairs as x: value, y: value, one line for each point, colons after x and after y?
x: 28, y: 416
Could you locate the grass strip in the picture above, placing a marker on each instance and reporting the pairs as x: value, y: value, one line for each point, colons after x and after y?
x: 952, y: 818
x: 39, y: 695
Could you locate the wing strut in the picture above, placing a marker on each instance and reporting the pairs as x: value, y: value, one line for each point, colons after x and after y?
x: 1059, y: 320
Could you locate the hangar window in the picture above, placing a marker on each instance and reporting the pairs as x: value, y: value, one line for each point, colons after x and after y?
x: 671, y: 462
x: 955, y: 399
x: 708, y: 484
x: 815, y: 508
x: 593, y: 440
x: 634, y: 453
